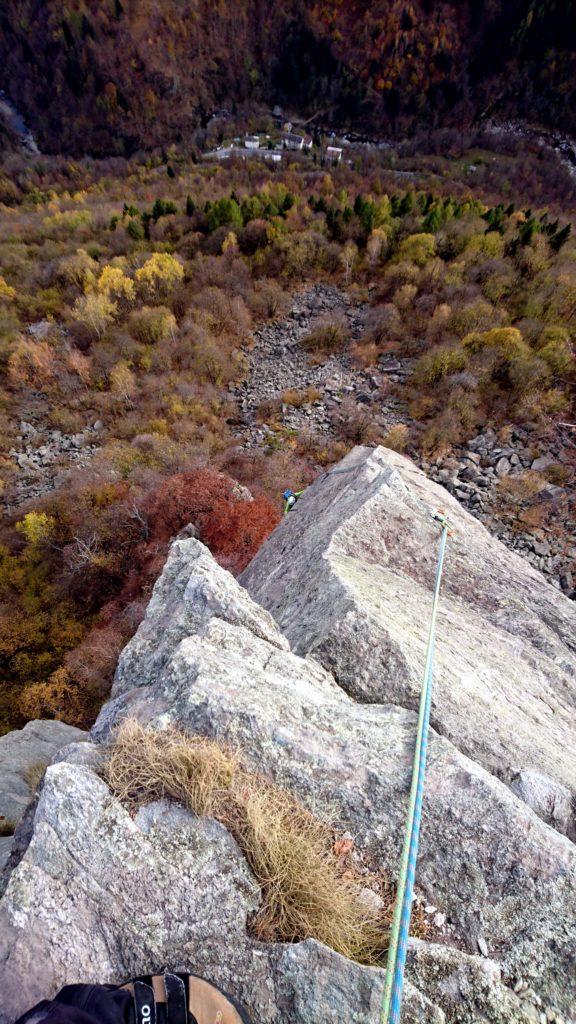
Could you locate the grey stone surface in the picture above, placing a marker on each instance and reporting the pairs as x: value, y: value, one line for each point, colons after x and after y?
x: 98, y: 894
x: 24, y: 750
x: 104, y: 896
x: 191, y: 590
x: 23, y: 754
x: 486, y: 860
x: 550, y: 800
x: 348, y: 576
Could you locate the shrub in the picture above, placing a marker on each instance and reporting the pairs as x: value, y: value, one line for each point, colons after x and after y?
x: 151, y: 324
x: 36, y: 527
x: 528, y: 373
x: 397, y: 437
x: 122, y: 381
x: 255, y: 236
x: 58, y: 698
x: 329, y: 336
x: 66, y: 222
x: 522, y: 487
x: 32, y: 363
x: 96, y: 312
x: 268, y: 299
x: 223, y: 212
x: 211, y: 360
x: 439, y: 362
x: 417, y: 249
x: 292, y: 854
x: 474, y: 316
x: 136, y: 230
x: 364, y: 354
x: 163, y: 208
x: 355, y: 424
x: 491, y: 245
x: 404, y: 296
x: 296, y: 398
x: 224, y: 313
x: 159, y: 276
x: 114, y: 283
x: 555, y: 349
x: 236, y: 529
x: 7, y: 293
x: 507, y: 341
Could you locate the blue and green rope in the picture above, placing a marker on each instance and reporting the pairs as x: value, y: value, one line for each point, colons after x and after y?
x: 400, y: 930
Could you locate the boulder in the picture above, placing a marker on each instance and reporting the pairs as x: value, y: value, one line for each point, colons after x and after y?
x: 348, y: 576
x: 24, y: 754
x: 191, y: 591
x: 492, y: 866
x: 102, y: 894
x: 234, y: 679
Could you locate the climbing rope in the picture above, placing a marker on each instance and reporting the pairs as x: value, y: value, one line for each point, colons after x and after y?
x: 394, y: 981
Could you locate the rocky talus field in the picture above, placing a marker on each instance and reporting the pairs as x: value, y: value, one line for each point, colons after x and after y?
x: 310, y: 665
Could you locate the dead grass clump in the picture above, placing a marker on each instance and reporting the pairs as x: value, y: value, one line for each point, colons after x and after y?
x: 327, y: 337
x: 364, y: 354
x: 297, y: 399
x: 269, y: 410
x: 292, y: 854
x: 522, y: 487
x: 34, y: 773
x: 144, y: 765
x: 397, y: 437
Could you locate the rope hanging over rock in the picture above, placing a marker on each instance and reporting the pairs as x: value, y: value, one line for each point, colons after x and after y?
x: 394, y: 981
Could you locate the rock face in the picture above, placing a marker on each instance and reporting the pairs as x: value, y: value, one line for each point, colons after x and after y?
x: 101, y: 895
x: 348, y: 577
x: 24, y: 755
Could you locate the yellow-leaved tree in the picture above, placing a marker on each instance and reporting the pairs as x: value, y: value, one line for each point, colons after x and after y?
x: 36, y: 527
x: 122, y: 381
x: 116, y: 285
x: 7, y: 293
x: 159, y: 276
x: 96, y: 310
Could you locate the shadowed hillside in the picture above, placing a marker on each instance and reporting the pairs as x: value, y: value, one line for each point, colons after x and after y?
x: 130, y: 74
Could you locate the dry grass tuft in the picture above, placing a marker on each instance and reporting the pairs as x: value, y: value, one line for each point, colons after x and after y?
x: 34, y: 774
x: 397, y: 437
x: 296, y: 398
x: 326, y: 337
x: 308, y: 891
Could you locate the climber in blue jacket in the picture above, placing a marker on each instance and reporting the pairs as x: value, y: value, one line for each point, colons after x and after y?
x: 290, y: 499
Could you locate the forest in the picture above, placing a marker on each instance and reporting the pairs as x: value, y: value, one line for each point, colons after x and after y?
x: 127, y: 75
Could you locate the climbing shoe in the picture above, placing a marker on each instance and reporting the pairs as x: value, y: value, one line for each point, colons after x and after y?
x: 154, y: 999
x: 182, y: 999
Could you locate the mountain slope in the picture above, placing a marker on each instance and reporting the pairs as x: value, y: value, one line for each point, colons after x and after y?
x: 127, y: 74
